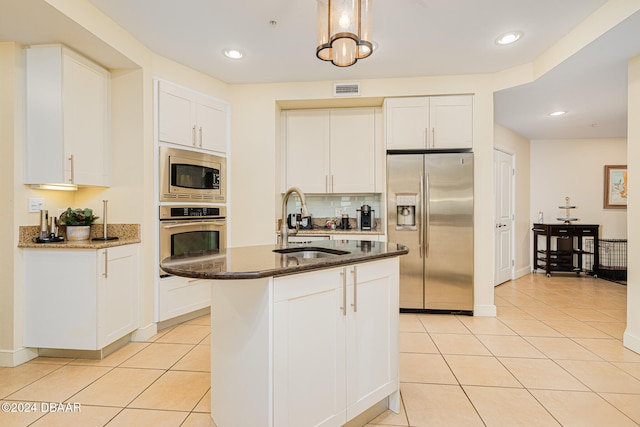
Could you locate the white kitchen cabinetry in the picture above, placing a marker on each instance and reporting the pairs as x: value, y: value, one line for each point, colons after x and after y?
x: 331, y: 150
x: 180, y: 295
x: 190, y: 118
x: 67, y: 118
x: 335, y: 343
x: 80, y: 299
x: 435, y: 122
x: 308, y: 349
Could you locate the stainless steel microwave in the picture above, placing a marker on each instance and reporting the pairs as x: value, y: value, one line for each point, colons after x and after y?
x: 187, y: 175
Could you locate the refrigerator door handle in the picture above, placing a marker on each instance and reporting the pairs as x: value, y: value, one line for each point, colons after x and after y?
x: 427, y: 215
x: 420, y: 217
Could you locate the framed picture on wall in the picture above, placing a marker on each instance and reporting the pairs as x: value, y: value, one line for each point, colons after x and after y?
x: 615, y: 186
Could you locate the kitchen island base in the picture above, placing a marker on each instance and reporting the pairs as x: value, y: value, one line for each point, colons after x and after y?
x: 316, y: 348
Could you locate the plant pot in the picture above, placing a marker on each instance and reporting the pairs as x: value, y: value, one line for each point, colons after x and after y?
x: 78, y: 232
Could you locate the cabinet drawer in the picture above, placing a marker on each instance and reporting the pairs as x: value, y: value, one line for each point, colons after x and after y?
x: 586, y: 231
x: 559, y: 230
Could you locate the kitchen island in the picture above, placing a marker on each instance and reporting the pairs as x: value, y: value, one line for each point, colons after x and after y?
x: 301, y: 336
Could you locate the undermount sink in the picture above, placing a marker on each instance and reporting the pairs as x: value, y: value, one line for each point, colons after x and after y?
x: 310, y: 252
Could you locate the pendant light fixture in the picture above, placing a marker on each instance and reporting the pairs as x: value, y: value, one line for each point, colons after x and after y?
x: 344, y: 31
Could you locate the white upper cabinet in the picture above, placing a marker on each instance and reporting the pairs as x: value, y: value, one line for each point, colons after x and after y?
x: 67, y: 116
x: 331, y: 150
x: 307, y: 150
x: 436, y: 122
x: 192, y: 119
x: 352, y: 150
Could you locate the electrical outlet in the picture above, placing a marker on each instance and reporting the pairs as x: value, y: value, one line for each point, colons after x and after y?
x: 36, y: 204
x: 339, y: 212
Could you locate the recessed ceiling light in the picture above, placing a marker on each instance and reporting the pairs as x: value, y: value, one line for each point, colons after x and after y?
x: 509, y: 37
x: 557, y: 113
x: 233, y: 54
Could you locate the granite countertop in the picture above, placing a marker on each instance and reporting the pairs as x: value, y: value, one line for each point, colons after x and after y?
x: 252, y: 262
x: 126, y: 233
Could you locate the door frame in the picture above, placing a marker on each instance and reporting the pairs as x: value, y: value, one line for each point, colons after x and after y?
x: 512, y: 154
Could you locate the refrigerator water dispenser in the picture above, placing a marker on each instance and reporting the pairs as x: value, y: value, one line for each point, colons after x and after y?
x: 406, y: 209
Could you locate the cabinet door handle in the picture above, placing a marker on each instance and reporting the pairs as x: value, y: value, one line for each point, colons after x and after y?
x: 426, y: 137
x: 332, y: 186
x: 106, y: 263
x: 326, y: 183
x: 433, y: 137
x: 355, y: 289
x: 200, y: 130
x: 344, y: 292
x: 194, y: 142
x: 72, y: 175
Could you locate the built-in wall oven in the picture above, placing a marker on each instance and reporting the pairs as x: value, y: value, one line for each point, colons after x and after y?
x: 192, y: 231
x: 191, y: 176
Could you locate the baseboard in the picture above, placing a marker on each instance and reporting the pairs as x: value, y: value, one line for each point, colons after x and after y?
x: 485, y: 310
x: 164, y: 324
x: 143, y: 334
x: 631, y: 342
x: 11, y: 359
x: 522, y: 272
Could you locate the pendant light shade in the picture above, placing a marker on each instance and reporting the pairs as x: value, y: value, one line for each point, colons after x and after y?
x: 344, y: 31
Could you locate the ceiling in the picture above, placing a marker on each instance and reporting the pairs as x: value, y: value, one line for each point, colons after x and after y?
x: 415, y: 38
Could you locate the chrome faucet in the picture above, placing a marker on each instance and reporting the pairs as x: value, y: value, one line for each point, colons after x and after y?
x: 284, y: 228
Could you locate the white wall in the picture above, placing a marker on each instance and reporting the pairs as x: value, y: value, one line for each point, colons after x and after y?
x: 632, y: 333
x: 575, y: 168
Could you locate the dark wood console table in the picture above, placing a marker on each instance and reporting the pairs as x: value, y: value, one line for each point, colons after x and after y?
x: 564, y: 249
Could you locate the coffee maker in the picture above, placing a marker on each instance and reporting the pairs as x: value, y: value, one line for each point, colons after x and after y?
x: 367, y: 217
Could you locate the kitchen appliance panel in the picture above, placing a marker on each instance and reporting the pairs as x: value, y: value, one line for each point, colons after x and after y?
x: 190, y: 176
x: 192, y: 230
x: 430, y: 209
x: 404, y: 177
x: 448, y: 231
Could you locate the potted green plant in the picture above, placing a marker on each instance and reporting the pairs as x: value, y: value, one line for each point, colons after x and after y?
x: 78, y: 222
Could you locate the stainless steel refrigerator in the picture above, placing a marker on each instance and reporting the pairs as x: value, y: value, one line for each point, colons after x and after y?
x: 430, y: 210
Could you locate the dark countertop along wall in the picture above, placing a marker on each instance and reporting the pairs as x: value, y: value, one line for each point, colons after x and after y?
x: 126, y: 233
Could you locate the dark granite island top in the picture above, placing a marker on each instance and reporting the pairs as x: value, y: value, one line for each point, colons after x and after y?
x: 252, y: 262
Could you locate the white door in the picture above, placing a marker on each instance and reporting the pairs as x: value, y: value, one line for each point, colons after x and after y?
x: 352, y: 150
x: 176, y: 118
x: 407, y: 122
x: 451, y: 120
x: 309, y: 349
x: 307, y: 150
x: 212, y: 125
x: 372, y: 334
x: 504, y: 216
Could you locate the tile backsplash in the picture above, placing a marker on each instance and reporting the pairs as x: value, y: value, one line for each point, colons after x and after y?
x: 333, y: 205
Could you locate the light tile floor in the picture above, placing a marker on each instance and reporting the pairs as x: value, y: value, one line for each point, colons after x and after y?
x: 552, y: 357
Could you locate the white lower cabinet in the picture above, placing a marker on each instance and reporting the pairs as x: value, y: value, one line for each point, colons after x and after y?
x: 179, y: 295
x: 309, y: 349
x: 80, y: 299
x: 335, y: 343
